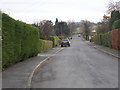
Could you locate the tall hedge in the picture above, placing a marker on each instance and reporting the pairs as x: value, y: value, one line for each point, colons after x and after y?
x: 116, y: 24
x: 20, y: 41
x: 0, y: 40
x: 97, y: 39
x: 115, y: 15
x: 103, y: 39
x: 45, y: 45
x: 55, y: 40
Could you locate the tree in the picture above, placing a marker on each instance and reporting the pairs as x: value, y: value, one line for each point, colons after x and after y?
x: 86, y: 28
x: 115, y: 15
x: 112, y: 6
x: 103, y: 26
x: 116, y: 24
x: 56, y: 21
x: 62, y: 29
x: 45, y: 28
x: 72, y: 26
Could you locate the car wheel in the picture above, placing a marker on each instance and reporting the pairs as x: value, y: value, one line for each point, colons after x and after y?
x: 68, y: 45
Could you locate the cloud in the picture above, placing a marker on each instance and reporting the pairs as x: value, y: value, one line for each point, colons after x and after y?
x: 30, y: 10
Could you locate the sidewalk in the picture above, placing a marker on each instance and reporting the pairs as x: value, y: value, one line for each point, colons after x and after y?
x: 17, y: 75
x: 104, y: 49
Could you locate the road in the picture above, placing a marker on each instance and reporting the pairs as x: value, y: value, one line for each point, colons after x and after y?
x: 78, y: 66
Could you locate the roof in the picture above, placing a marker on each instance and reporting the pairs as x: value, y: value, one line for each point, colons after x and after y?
x: 93, y: 30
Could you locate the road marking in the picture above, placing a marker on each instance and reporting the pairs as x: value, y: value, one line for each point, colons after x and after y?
x: 38, y: 65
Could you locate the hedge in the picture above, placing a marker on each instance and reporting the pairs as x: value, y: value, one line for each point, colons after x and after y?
x: 97, y: 39
x: 0, y: 40
x: 45, y: 45
x: 55, y: 40
x: 103, y: 39
x: 20, y: 41
x: 116, y: 24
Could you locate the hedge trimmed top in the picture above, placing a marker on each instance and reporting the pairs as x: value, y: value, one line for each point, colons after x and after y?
x: 20, y: 40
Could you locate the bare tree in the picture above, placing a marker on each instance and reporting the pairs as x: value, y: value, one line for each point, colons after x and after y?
x: 86, y: 28
x: 103, y: 25
x: 112, y: 6
x: 72, y: 26
x: 45, y: 28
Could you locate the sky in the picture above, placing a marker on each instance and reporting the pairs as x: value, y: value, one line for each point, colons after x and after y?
x: 31, y: 11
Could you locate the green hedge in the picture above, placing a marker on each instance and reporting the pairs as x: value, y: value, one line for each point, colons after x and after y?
x: 45, y: 45
x: 0, y: 40
x: 97, y: 39
x: 116, y: 24
x: 20, y: 41
x: 103, y: 39
x: 55, y: 40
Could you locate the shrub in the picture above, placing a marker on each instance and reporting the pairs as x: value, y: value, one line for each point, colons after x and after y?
x: 115, y: 15
x: 103, y: 39
x: 55, y: 40
x: 61, y: 37
x: 97, y: 39
x: 20, y: 41
x: 8, y: 40
x: 45, y: 45
x: 116, y: 24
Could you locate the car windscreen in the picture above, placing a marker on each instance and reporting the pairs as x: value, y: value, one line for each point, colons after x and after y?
x: 64, y: 40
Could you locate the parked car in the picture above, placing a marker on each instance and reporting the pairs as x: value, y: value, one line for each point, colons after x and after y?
x: 78, y: 35
x: 65, y: 42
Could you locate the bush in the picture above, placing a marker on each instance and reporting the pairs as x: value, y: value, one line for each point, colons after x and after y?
x: 116, y: 24
x: 115, y: 15
x: 103, y: 39
x: 45, y: 45
x: 61, y: 37
x: 55, y: 40
x: 97, y: 39
x: 20, y: 41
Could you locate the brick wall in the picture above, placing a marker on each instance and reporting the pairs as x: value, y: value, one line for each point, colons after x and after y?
x: 115, y: 38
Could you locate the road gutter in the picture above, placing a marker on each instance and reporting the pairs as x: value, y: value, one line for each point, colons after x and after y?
x: 29, y: 82
x: 108, y: 53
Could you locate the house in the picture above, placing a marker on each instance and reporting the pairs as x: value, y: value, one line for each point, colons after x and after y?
x: 93, y: 32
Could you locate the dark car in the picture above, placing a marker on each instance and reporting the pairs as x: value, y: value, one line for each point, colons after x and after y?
x: 78, y: 35
x: 65, y: 42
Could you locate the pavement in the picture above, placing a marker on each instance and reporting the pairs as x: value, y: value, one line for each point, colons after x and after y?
x: 17, y: 75
x: 107, y: 50
x: 78, y: 66
x: 0, y: 80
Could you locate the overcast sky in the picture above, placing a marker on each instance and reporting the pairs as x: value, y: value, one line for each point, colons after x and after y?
x: 35, y: 10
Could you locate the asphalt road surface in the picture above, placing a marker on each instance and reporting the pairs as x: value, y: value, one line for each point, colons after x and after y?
x: 78, y: 66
